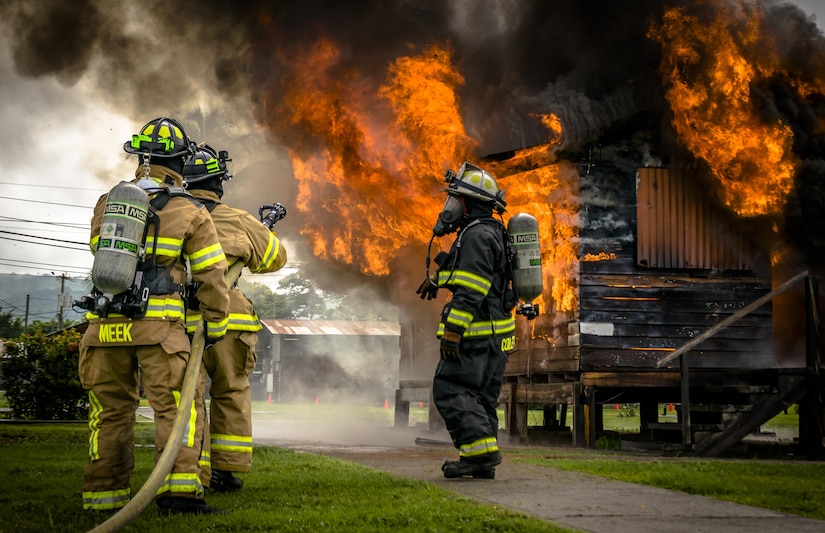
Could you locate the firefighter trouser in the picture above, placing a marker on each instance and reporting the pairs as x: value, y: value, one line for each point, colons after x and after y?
x: 465, y: 392
x: 228, y: 365
x: 110, y: 375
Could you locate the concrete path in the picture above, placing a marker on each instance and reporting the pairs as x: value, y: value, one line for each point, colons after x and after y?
x: 579, y: 501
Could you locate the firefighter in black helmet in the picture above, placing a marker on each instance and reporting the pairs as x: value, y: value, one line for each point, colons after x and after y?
x: 229, y: 362
x: 152, y: 336
x: 477, y: 328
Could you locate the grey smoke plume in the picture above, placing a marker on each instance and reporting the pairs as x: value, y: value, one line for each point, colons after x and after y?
x: 214, y: 64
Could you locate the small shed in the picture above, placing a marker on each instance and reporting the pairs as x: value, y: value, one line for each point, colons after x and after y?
x: 338, y: 361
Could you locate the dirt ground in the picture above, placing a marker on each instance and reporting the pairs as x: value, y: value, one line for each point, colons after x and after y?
x: 578, y: 501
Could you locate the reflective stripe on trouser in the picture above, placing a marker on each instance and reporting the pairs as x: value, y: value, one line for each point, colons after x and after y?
x: 479, y: 447
x: 110, y: 375
x: 465, y: 393
x: 228, y: 364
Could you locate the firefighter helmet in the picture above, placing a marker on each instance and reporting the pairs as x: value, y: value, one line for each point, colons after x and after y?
x: 472, y: 182
x: 206, y: 163
x: 162, y: 137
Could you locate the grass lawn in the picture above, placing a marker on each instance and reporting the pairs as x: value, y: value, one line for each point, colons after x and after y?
x: 42, y: 470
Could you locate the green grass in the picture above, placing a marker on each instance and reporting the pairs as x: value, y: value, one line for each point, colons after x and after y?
x: 42, y: 469
x: 784, y: 486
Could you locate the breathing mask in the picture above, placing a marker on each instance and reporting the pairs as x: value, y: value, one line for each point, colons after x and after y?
x: 450, y: 216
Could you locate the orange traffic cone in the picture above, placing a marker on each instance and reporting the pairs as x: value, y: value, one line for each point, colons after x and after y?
x: 421, y: 404
x: 269, y: 401
x: 617, y: 407
x: 670, y: 407
x: 386, y: 403
x: 316, y: 400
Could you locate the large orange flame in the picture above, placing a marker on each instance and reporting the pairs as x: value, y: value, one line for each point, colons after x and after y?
x: 710, y: 68
x: 369, y: 158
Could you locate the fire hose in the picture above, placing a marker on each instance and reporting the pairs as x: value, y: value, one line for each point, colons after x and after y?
x: 147, y: 492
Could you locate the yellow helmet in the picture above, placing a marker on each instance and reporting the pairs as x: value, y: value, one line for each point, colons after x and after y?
x: 473, y: 182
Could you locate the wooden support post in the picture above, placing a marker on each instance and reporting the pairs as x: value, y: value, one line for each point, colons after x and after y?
x: 579, y: 417
x: 811, y: 405
x: 550, y: 420
x: 687, y: 438
x: 648, y: 414
x: 402, y: 411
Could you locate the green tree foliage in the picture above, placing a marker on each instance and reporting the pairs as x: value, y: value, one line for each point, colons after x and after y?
x: 10, y: 327
x: 301, y: 298
x: 41, y: 379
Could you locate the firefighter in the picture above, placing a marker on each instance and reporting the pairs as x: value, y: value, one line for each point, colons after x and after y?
x: 229, y: 363
x: 143, y: 330
x: 477, y: 328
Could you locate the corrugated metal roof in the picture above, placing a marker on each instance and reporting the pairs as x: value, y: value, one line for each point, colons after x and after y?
x: 332, y: 327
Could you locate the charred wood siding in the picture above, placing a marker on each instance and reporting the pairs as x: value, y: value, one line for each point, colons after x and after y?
x: 631, y: 314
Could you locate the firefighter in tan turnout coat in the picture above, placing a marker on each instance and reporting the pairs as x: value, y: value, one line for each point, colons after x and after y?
x: 130, y: 336
x: 229, y: 362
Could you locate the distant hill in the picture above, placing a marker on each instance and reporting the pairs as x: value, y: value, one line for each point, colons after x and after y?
x: 42, y: 292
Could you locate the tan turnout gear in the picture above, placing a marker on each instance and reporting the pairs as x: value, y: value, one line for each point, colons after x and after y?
x: 230, y: 361
x: 114, y: 350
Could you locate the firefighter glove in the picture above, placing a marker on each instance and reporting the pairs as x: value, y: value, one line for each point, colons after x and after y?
x: 428, y: 289
x: 449, y: 345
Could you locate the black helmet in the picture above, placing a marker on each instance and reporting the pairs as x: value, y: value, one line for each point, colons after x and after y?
x: 163, y: 137
x: 206, y: 163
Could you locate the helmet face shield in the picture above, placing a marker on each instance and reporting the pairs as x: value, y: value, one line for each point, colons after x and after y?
x: 450, y: 216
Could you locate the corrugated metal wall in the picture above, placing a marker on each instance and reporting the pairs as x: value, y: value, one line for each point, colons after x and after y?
x: 678, y: 227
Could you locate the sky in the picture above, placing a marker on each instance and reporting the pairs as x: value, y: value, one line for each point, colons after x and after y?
x: 63, y: 131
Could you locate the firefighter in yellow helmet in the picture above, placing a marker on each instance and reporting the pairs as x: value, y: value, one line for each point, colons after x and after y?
x: 140, y: 332
x: 229, y: 362
x: 477, y: 328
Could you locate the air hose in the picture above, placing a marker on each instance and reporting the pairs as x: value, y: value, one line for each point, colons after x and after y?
x: 164, y: 465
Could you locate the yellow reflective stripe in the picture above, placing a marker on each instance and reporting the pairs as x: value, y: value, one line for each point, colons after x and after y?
x: 106, y: 499
x: 270, y: 254
x: 93, y: 243
x: 459, y: 318
x: 217, y: 329
x: 96, y: 409
x: 205, y: 460
x: 231, y: 443
x: 486, y: 329
x: 166, y: 246
x: 165, y: 308
x: 192, y: 321
x: 466, y: 279
x: 243, y: 322
x: 206, y: 257
x: 182, y: 483
x: 189, y: 433
x: 479, y: 447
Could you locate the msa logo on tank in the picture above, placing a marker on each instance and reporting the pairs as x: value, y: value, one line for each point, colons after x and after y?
x: 115, y: 332
x: 528, y: 283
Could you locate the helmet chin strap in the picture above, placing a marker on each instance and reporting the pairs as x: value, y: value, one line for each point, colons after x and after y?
x: 146, y: 169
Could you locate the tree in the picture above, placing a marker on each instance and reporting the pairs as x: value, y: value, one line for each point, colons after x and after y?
x: 41, y: 379
x: 301, y: 298
x: 10, y: 327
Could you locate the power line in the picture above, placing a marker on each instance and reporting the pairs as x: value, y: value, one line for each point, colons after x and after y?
x: 50, y: 265
x: 49, y: 268
x: 73, y: 225
x: 44, y: 238
x: 44, y: 202
x: 51, y: 186
x: 43, y: 243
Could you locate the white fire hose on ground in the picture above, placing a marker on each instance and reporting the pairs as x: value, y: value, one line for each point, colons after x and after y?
x: 164, y: 465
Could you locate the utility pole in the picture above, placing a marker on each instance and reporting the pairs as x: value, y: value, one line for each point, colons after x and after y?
x: 60, y: 302
x: 26, y: 320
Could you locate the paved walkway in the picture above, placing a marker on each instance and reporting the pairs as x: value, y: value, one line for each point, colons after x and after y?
x: 579, y: 501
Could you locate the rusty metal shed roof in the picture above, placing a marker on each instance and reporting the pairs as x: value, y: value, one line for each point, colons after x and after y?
x: 332, y: 327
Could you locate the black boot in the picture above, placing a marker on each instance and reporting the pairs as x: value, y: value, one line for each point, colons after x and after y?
x: 223, y: 481
x: 171, y: 505
x: 479, y: 466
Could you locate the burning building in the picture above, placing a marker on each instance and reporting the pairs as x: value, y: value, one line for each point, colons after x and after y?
x: 672, y: 151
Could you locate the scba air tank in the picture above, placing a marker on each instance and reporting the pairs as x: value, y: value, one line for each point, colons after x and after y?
x: 120, y: 239
x: 523, y: 229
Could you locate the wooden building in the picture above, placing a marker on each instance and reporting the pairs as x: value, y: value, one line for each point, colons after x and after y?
x: 657, y: 264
